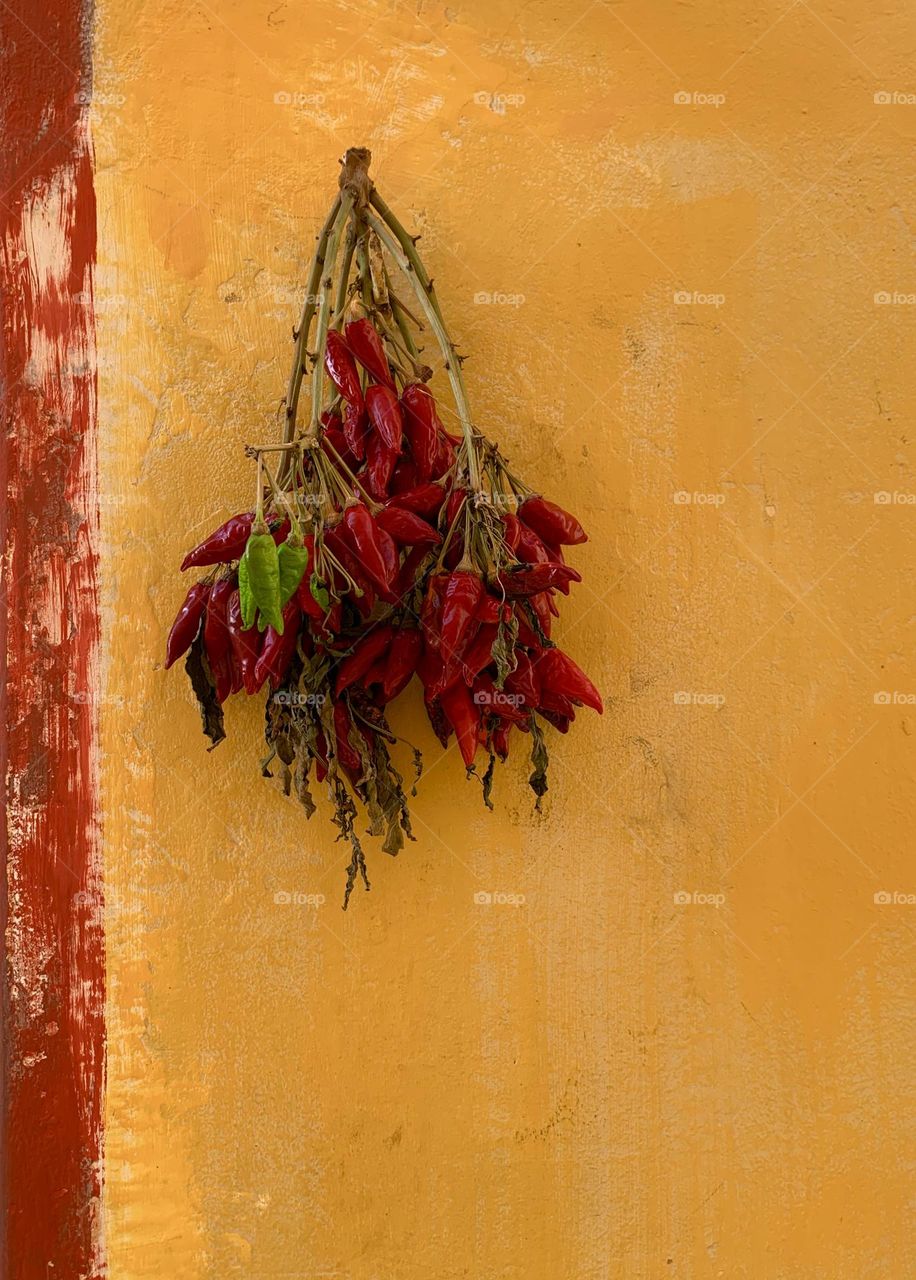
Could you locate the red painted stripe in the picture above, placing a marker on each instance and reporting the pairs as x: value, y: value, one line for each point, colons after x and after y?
x: 53, y: 1060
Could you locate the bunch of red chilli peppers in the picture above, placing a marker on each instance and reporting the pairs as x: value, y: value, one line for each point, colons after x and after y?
x: 381, y: 546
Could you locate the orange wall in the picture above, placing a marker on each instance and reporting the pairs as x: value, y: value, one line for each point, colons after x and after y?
x: 604, y: 1080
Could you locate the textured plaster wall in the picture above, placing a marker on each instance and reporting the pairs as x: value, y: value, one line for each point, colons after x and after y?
x: 606, y: 1081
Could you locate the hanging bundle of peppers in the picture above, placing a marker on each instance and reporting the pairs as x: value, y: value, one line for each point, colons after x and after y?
x: 381, y: 547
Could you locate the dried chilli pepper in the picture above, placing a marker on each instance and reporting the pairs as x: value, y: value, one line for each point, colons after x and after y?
x: 339, y: 363
x: 550, y: 522
x: 364, y: 341
x: 187, y: 623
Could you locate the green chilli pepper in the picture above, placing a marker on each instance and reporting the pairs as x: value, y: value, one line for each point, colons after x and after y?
x: 263, y: 570
x: 319, y: 592
x: 246, y: 599
x: 293, y: 560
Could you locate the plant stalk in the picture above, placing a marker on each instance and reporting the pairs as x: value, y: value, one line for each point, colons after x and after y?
x: 305, y: 324
x: 409, y: 262
x: 324, y: 310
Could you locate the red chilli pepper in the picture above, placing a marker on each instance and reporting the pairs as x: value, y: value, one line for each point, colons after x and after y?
x: 463, y: 593
x: 531, y: 580
x: 225, y: 674
x: 479, y: 652
x: 385, y: 415
x: 431, y: 611
x: 216, y: 633
x: 246, y: 644
x: 364, y: 655
x: 421, y: 426
x: 488, y: 698
x: 524, y: 680
x: 562, y: 676
x: 558, y: 721
x: 363, y: 535
x: 444, y: 456
x: 342, y: 551
x: 277, y: 650
x: 511, y: 531
x: 456, y: 500
x: 408, y: 577
x: 529, y: 548
x: 187, y: 623
x: 224, y: 544
x: 228, y: 541
x: 404, y: 476
x: 551, y: 522
x: 407, y: 528
x: 365, y: 343
x: 489, y: 609
x: 380, y: 462
x: 339, y: 364
x: 425, y: 499
x: 540, y: 603
x: 500, y: 739
x: 527, y: 636
x: 464, y: 717
x: 401, y: 662
x: 354, y: 430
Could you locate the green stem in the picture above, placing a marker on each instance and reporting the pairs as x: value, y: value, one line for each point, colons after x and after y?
x: 305, y: 324
x: 410, y: 264
x: 365, y: 272
x: 349, y: 247
x: 408, y: 244
x: 324, y: 307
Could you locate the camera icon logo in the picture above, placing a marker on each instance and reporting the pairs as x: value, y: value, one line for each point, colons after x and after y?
x: 282, y: 898
x: 681, y: 898
x: 882, y: 298
x: 282, y: 99
x: 883, y: 699
x: 483, y: 899
x: 682, y: 698
x: 882, y: 898
x: 882, y: 98
x: 682, y: 298
x: 882, y: 498
x: 681, y: 99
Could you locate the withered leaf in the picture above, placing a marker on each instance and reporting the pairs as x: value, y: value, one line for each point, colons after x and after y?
x: 204, y: 686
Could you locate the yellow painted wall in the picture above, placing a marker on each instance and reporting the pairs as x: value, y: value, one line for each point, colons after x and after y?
x: 604, y: 1081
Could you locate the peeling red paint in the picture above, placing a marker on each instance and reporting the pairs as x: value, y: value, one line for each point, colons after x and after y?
x: 54, y: 1047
